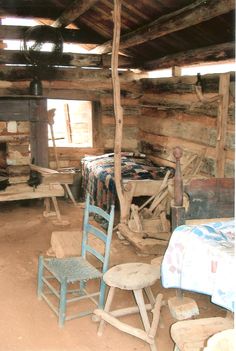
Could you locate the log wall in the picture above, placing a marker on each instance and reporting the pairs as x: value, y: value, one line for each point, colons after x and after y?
x: 172, y: 115
x: 158, y: 115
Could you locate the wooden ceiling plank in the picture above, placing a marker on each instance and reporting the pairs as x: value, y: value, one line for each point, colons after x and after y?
x: 77, y: 8
x: 190, y: 15
x: 212, y: 53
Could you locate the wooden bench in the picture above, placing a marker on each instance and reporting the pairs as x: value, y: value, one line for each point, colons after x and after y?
x: 25, y: 192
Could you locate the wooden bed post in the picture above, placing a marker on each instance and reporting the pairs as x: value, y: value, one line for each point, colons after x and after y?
x: 178, y: 211
x: 118, y: 111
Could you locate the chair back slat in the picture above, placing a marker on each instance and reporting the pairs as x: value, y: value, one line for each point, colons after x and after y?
x: 100, y: 212
x: 105, y: 236
x: 96, y: 232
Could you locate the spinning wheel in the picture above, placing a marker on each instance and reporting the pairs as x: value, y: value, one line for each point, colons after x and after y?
x: 41, y: 39
x: 42, y: 47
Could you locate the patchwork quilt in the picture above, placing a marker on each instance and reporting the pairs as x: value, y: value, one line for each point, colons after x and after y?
x: 98, y: 175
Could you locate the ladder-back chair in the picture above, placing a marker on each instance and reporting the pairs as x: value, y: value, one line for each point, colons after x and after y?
x: 63, y: 281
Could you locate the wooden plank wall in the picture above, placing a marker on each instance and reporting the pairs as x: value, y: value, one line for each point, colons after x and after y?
x: 172, y: 114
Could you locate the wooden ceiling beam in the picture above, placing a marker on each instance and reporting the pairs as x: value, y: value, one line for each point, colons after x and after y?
x: 77, y: 8
x: 69, y: 35
x: 213, y: 53
x: 193, y: 14
x: 79, y: 75
x: 68, y: 59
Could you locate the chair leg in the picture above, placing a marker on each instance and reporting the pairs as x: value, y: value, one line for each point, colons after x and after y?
x: 62, y: 303
x: 101, y: 301
x: 106, y: 309
x: 40, y: 277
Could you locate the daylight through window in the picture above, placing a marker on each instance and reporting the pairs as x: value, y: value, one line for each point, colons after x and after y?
x: 72, y: 123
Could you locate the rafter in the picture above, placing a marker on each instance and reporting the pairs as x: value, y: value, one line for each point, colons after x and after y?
x: 77, y: 8
x: 193, y: 14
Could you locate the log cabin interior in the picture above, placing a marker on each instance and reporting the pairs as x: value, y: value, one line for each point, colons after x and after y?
x: 133, y: 103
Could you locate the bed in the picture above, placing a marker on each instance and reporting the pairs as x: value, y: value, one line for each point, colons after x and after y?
x: 206, y: 198
x: 138, y: 175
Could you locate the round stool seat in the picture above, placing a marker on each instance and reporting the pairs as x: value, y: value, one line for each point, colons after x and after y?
x: 131, y: 276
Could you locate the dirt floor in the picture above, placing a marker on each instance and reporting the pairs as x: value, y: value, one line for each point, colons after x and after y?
x: 28, y: 324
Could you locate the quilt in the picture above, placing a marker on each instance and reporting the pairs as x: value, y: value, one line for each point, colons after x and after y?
x: 98, y: 175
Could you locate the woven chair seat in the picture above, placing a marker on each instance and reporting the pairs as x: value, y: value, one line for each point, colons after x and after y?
x: 72, y: 269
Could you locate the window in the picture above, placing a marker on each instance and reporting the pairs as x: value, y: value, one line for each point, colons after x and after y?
x: 72, y: 123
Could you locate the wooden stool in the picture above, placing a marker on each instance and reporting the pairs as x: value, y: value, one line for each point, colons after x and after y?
x: 191, y: 335
x: 134, y: 277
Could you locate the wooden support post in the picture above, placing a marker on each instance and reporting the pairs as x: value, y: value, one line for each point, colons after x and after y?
x: 178, y: 211
x: 177, y: 216
x: 117, y: 107
x: 222, y: 124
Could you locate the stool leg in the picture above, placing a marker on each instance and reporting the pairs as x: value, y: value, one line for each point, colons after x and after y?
x: 143, y: 312
x: 106, y: 309
x: 40, y: 277
x: 150, y: 296
x: 62, y: 303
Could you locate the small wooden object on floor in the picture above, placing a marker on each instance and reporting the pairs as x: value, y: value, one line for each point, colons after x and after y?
x: 182, y: 307
x: 191, y: 335
x: 66, y: 243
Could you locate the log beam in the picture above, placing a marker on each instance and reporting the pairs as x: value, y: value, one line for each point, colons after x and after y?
x: 69, y: 59
x: 65, y: 74
x: 190, y: 15
x: 77, y: 8
x: 213, y: 53
x: 69, y: 35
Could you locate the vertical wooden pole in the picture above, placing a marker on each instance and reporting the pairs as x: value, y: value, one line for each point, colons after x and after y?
x: 222, y: 124
x: 117, y: 107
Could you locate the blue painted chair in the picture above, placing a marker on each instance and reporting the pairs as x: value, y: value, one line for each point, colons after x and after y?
x: 63, y: 281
